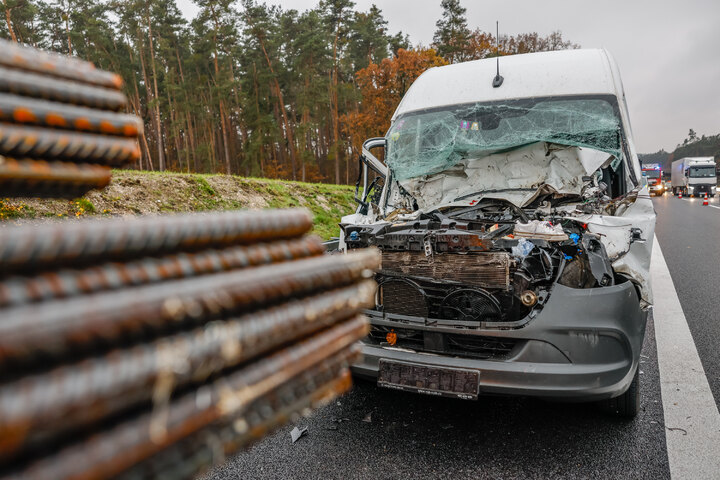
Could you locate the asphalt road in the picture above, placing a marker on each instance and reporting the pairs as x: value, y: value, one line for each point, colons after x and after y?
x: 689, y: 234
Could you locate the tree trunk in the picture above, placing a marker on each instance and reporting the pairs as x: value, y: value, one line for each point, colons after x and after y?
x: 288, y: 127
x: 148, y: 95
x: 223, y: 115
x: 160, y: 143
x: 334, y: 106
x: 9, y: 21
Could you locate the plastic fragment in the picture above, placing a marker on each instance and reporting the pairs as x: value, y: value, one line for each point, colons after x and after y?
x: 296, y: 433
x: 523, y: 248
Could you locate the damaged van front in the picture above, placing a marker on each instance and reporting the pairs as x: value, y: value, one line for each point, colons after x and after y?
x: 515, y: 234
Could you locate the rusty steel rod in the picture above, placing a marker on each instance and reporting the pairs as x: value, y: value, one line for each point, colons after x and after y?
x: 113, y: 276
x: 71, y: 396
x: 109, y: 453
x: 37, y: 178
x: 33, y: 111
x: 16, y: 56
x: 190, y: 457
x: 35, y: 85
x: 22, y: 141
x: 57, y: 327
x: 49, y: 245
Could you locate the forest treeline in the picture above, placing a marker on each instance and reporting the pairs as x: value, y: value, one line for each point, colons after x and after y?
x: 692, y: 146
x: 250, y: 88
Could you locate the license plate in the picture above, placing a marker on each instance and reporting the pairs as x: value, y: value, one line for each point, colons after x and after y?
x: 428, y: 379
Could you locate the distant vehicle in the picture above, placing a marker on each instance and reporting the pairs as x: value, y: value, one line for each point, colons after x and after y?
x: 653, y: 173
x: 694, y: 176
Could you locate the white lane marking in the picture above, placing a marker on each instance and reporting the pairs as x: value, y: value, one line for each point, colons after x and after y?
x: 691, y: 415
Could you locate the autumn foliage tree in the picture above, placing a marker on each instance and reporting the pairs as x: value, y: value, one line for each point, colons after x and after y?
x: 382, y: 86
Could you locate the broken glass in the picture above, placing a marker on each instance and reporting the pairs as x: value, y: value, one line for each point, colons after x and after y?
x: 427, y: 142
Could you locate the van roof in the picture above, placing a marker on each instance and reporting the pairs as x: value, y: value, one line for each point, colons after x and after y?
x: 542, y: 74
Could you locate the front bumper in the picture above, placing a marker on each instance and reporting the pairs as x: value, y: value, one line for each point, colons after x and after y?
x: 584, y: 345
x: 700, y: 190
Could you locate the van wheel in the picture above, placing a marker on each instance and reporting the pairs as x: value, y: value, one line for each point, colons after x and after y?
x: 626, y: 405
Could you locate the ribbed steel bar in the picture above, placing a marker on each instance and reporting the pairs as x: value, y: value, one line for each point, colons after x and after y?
x: 112, y: 276
x: 33, y: 111
x: 66, y: 91
x: 62, y: 326
x: 190, y: 457
x: 109, y: 453
x: 37, y: 178
x: 22, y: 141
x: 46, y: 246
x: 14, y: 55
x: 71, y: 396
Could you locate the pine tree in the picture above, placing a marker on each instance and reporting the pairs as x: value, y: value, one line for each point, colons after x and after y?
x: 452, y: 36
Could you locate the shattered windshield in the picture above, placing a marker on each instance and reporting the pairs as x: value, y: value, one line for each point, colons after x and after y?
x: 701, y: 172
x: 427, y: 142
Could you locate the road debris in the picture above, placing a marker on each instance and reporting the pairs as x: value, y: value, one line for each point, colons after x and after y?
x: 296, y: 433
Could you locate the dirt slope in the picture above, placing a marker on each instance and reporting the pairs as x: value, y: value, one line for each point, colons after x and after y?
x: 133, y: 193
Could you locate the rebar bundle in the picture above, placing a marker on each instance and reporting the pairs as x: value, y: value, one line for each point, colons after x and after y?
x: 61, y: 124
x: 154, y: 347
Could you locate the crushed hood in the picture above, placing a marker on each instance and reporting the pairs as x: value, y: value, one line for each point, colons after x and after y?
x: 518, y: 176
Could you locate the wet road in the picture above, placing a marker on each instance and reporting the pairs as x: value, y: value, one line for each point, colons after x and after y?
x: 689, y: 234
x: 376, y: 433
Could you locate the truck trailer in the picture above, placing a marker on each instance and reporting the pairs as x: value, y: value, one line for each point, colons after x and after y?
x: 694, y: 176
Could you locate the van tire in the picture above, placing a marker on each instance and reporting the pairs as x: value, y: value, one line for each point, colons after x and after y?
x: 626, y: 405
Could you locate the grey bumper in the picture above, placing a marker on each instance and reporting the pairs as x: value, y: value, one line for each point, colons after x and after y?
x: 584, y: 345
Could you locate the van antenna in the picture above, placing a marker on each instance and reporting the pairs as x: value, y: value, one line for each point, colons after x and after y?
x: 498, y: 80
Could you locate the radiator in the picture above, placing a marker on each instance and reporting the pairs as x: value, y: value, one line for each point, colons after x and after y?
x: 483, y: 269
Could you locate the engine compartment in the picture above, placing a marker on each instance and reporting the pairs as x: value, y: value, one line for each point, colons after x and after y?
x: 465, y: 267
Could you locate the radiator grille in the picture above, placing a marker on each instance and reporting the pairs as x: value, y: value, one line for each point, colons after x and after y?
x: 400, y: 297
x: 486, y: 269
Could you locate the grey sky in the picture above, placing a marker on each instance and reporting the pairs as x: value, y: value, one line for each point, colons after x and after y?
x: 668, y: 50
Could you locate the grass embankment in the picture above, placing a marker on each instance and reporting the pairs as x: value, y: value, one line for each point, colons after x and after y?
x: 138, y: 193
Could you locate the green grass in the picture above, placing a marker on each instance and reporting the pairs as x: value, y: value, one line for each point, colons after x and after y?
x: 195, y: 192
x: 15, y: 210
x: 85, y: 204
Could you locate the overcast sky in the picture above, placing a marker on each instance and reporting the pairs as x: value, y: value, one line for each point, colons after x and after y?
x: 668, y: 50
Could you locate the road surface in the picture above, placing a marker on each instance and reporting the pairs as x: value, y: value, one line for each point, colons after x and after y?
x: 376, y: 433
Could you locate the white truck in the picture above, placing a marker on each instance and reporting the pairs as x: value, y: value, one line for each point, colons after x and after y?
x: 694, y: 176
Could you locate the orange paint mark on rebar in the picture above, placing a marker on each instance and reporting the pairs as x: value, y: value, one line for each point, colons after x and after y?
x: 55, y: 120
x: 130, y: 130
x: 24, y: 115
x: 83, y: 123
x: 107, y: 127
x: 117, y: 81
